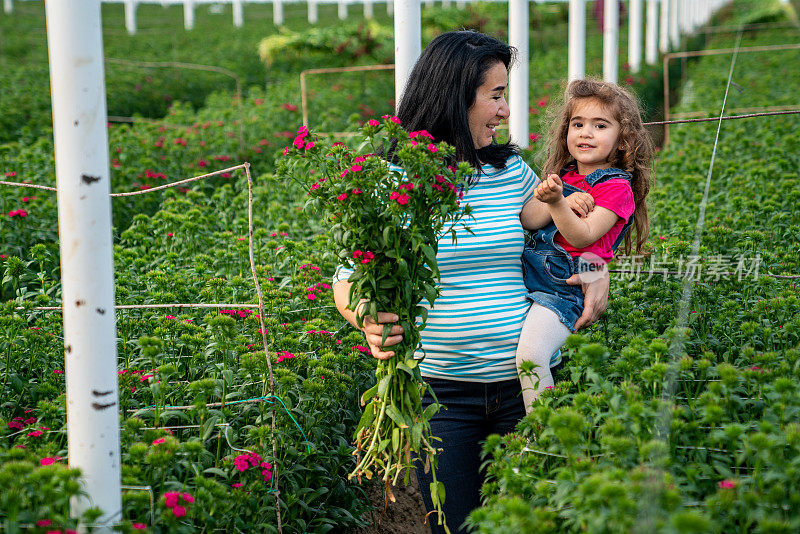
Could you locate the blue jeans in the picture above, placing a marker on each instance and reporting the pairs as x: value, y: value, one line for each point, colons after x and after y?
x: 474, y: 411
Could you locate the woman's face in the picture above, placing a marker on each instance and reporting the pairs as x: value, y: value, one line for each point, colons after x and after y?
x: 490, y: 107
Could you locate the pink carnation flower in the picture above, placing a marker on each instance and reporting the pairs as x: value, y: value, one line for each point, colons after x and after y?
x: 171, y: 499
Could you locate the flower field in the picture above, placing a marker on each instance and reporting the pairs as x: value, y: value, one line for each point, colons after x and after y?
x: 655, y: 424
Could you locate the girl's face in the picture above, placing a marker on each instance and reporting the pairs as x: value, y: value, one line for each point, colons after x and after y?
x: 592, y: 135
x: 490, y: 107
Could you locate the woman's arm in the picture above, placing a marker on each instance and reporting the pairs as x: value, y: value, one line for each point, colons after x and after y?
x: 372, y: 330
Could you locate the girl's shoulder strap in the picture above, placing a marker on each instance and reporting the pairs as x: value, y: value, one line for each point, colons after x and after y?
x: 602, y: 175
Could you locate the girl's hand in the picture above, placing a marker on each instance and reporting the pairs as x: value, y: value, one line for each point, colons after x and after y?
x: 581, y: 203
x: 373, y: 330
x: 550, y: 191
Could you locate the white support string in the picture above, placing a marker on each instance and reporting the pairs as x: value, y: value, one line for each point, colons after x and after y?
x: 663, y: 423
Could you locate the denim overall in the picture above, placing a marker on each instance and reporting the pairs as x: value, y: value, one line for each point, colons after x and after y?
x: 546, y: 265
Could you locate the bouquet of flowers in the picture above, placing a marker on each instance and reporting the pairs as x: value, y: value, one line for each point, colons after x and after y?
x: 385, y: 223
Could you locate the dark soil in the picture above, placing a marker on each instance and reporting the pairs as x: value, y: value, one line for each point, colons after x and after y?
x: 405, y: 516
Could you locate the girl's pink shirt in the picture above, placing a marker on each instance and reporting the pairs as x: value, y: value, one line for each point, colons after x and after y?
x: 614, y: 194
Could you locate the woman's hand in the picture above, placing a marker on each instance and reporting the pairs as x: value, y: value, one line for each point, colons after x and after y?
x: 595, y: 298
x: 581, y: 203
x: 373, y: 330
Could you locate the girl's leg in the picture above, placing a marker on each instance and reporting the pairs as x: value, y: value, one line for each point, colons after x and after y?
x: 542, y: 335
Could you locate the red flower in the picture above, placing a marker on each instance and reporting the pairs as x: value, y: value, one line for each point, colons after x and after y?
x: 187, y: 498
x: 355, y: 168
x: 543, y: 102
x: 403, y: 199
x: 394, y: 195
x: 289, y: 107
x: 309, y: 146
x: 139, y: 526
x: 171, y: 499
x: 10, y: 174
x: 179, y: 511
x: 311, y: 296
x: 159, y: 441
x: 535, y: 137
x: 341, y: 197
x: 727, y: 484
x: 49, y: 460
x: 407, y: 186
x: 44, y: 523
x: 357, y: 191
x: 357, y: 254
x: 373, y: 122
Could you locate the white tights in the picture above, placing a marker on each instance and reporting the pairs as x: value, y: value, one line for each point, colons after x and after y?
x: 542, y: 335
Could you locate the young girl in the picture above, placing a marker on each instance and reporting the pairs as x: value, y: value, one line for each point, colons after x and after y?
x: 599, y: 146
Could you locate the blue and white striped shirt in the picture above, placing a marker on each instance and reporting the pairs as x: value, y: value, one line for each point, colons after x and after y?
x: 474, y: 327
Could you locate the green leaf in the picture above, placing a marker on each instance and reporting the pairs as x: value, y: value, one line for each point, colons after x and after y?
x: 416, y: 435
x: 383, y: 385
x: 430, y: 257
x: 383, y: 444
x: 368, y: 417
x: 404, y: 367
x: 216, y: 471
x: 435, y: 494
x: 396, y: 416
x: 396, y: 439
x: 367, y: 395
x: 430, y: 411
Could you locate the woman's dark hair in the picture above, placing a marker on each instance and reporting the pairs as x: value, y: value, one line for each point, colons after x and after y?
x: 442, y: 88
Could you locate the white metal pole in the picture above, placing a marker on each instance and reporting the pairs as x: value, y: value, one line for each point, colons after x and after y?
x: 461, y: 4
x: 576, y: 69
x: 684, y: 16
x: 238, y: 14
x: 518, y: 79
x: 651, y: 33
x: 342, y: 9
x: 75, y: 48
x: 277, y: 12
x: 663, y: 23
x: 674, y: 30
x: 8, y: 7
x: 445, y: 3
x: 188, y: 14
x: 635, y: 20
x: 130, y: 16
x: 312, y: 11
x: 390, y: 7
x: 407, y: 42
x: 428, y: 3
x: 610, y: 40
x: 368, y: 11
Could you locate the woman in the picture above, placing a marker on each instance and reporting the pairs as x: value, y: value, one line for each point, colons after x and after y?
x: 456, y: 92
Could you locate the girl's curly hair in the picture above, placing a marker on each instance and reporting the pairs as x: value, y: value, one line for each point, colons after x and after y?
x: 634, y: 152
